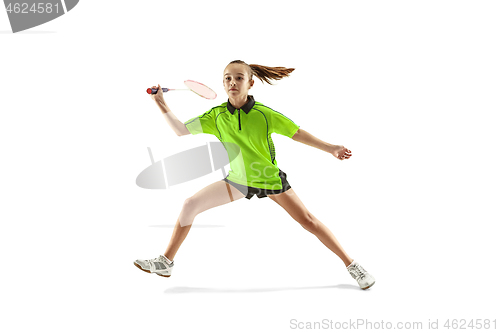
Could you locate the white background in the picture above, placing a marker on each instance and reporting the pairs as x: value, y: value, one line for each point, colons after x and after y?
x: 411, y: 87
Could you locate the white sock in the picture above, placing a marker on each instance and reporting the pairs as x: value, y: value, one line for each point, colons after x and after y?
x: 168, y: 260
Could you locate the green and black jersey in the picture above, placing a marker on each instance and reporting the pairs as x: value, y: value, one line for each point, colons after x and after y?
x: 250, y: 128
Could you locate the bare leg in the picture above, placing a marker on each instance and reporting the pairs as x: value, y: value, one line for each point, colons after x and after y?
x: 294, y: 206
x: 216, y: 194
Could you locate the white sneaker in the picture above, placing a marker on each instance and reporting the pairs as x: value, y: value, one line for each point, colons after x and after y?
x: 161, y: 265
x: 364, y: 279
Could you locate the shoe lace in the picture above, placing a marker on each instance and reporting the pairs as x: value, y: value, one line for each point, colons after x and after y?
x: 357, y: 272
x: 150, y: 261
x: 159, y: 259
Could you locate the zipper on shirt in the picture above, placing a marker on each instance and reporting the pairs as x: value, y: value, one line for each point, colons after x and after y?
x: 239, y: 120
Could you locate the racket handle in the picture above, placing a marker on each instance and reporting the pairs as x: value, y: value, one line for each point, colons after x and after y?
x: 154, y: 91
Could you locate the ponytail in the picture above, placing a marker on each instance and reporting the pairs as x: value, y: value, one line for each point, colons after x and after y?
x: 265, y: 73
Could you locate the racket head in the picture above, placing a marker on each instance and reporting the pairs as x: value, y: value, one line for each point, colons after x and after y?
x: 200, y: 89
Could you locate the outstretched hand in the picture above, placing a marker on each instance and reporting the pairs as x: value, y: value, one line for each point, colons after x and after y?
x: 158, y: 97
x: 341, y: 152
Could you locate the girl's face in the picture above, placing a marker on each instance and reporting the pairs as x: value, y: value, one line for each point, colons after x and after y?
x: 237, y: 80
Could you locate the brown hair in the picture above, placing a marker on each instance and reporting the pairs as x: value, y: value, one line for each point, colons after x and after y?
x: 264, y: 73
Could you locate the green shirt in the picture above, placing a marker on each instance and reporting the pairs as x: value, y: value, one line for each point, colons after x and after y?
x: 250, y: 128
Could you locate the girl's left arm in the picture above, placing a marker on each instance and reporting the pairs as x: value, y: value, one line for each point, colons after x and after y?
x: 307, y: 138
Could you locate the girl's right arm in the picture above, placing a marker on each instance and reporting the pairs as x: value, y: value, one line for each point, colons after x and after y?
x: 178, y: 126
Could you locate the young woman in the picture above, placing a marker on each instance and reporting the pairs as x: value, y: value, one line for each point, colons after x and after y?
x: 247, y: 124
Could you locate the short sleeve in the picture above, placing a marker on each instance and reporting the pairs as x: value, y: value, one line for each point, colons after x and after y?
x: 202, y: 124
x: 282, y: 125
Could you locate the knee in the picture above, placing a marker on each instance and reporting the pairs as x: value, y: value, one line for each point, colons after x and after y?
x: 189, y: 205
x: 307, y: 221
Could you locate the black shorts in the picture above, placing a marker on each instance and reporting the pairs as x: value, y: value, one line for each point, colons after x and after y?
x: 260, y: 192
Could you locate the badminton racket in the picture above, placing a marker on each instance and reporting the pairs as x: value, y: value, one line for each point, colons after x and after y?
x: 198, y: 88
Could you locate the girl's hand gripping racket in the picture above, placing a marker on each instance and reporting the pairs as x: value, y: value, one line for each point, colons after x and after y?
x: 196, y: 87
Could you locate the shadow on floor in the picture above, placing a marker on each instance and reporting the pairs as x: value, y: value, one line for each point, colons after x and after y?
x: 192, y: 226
x: 28, y: 32
x: 188, y: 290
